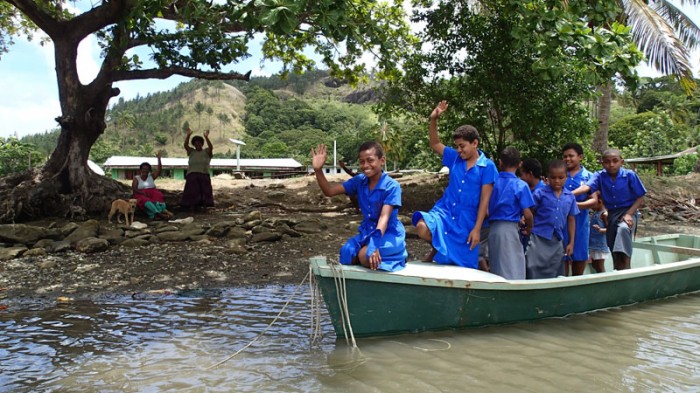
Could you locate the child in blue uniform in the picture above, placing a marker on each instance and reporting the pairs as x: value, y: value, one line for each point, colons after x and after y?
x: 555, y: 209
x: 511, y: 199
x: 597, y: 244
x: 576, y: 175
x: 380, y: 243
x: 622, y: 192
x: 453, y: 226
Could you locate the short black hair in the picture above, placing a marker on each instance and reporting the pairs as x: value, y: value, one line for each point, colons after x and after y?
x: 612, y: 152
x: 532, y: 166
x: 555, y: 164
x: 143, y: 164
x: 575, y: 146
x: 466, y: 132
x: 369, y: 145
x: 510, y: 157
x: 197, y: 138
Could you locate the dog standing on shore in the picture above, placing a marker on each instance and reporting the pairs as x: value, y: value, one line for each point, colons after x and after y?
x: 120, y: 206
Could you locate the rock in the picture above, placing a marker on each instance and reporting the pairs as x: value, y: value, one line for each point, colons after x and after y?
x: 236, y: 246
x: 138, y: 225
x: 406, y: 220
x: 172, y: 236
x: 21, y: 233
x: 286, y: 230
x: 61, y: 246
x: 266, y: 237
x: 88, y: 229
x: 86, y: 268
x: 68, y: 229
x: 251, y: 224
x: 135, y: 242
x: 310, y: 225
x: 35, y: 252
x: 167, y: 228
x: 193, y: 230
x: 44, y: 243
x: 187, y: 220
x: 352, y: 226
x: 261, y: 229
x: 253, y: 216
x: 113, y: 236
x: 236, y: 233
x: 91, y: 245
x: 11, y: 253
x: 277, y: 195
x: 220, y: 229
x: 48, y: 264
x: 130, y: 234
x: 201, y: 238
x: 203, y: 241
x: 276, y: 186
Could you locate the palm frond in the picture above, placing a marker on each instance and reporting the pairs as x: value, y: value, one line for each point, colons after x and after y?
x: 686, y: 30
x: 657, y: 39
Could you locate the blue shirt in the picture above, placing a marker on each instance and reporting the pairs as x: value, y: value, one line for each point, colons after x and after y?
x: 386, y: 192
x: 538, y: 186
x: 619, y: 193
x: 509, y: 198
x: 551, y: 212
x: 460, y: 202
x: 576, y: 181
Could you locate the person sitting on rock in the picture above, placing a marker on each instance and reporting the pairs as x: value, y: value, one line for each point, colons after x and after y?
x: 380, y: 243
x: 149, y: 198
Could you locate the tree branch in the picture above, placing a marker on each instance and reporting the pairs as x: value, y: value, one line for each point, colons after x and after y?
x: 42, y: 19
x: 163, y: 73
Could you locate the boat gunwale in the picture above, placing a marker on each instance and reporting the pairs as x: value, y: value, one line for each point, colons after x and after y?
x: 321, y: 268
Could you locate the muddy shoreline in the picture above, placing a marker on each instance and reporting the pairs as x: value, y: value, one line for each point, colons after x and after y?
x: 167, y: 268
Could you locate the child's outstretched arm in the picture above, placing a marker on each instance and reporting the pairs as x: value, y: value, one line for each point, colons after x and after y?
x: 435, y: 143
x: 318, y: 158
x: 582, y: 189
x: 210, y: 147
x: 188, y: 148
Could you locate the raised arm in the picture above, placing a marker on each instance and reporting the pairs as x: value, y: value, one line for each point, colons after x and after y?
x: 582, y: 189
x: 188, y: 148
x: 318, y: 159
x: 346, y: 169
x: 159, y: 168
x: 434, y: 140
x: 210, y: 147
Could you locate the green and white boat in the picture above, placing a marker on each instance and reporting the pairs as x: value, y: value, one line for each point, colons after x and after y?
x: 428, y: 296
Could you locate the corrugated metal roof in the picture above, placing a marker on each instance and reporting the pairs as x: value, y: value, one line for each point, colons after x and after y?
x: 131, y: 162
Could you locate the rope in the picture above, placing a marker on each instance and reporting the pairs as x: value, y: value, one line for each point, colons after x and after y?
x: 315, y: 294
x: 341, y: 292
x: 266, y: 329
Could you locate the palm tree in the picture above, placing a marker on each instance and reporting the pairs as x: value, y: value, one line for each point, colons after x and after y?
x: 199, y: 108
x: 223, y: 121
x: 666, y: 36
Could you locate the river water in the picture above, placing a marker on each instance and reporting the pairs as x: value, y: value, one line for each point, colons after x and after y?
x: 169, y: 343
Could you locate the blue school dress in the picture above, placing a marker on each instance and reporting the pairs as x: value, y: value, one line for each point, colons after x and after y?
x: 454, y: 215
x: 582, y: 223
x: 392, y: 246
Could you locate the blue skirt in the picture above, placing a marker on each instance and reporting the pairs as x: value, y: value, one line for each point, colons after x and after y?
x: 391, y: 246
x: 452, y: 249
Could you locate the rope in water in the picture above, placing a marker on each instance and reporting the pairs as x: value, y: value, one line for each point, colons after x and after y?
x: 289, y: 300
x: 341, y: 292
x: 315, y: 294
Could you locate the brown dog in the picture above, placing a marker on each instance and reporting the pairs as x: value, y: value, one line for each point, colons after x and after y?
x: 121, y: 206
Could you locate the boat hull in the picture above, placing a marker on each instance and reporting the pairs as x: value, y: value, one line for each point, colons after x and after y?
x: 383, y: 303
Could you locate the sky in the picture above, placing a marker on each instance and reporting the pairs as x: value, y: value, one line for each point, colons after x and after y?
x: 29, y: 103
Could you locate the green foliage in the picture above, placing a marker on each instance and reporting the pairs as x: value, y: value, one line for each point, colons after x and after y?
x: 161, y: 139
x: 656, y: 136
x: 685, y: 164
x: 16, y: 156
x: 103, y: 149
x: 622, y: 132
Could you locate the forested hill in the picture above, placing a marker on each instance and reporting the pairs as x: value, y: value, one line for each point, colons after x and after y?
x: 275, y: 117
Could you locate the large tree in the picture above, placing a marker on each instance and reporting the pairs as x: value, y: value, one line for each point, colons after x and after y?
x: 193, y: 38
x: 666, y: 36
x: 518, y: 71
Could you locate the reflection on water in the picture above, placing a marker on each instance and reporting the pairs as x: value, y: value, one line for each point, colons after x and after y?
x: 168, y: 343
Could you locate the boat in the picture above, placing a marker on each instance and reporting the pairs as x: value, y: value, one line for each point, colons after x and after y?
x: 431, y: 297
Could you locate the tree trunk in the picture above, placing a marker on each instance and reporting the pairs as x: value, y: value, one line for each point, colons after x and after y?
x: 600, y: 139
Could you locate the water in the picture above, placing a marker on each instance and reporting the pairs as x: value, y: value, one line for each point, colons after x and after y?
x: 166, y: 343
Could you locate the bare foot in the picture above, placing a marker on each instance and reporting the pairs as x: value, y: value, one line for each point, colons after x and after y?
x: 429, y: 256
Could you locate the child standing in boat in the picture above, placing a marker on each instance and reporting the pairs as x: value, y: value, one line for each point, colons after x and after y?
x: 511, y: 199
x: 623, y: 193
x: 380, y: 243
x: 453, y: 226
x: 597, y: 246
x: 555, y: 211
x: 576, y: 175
